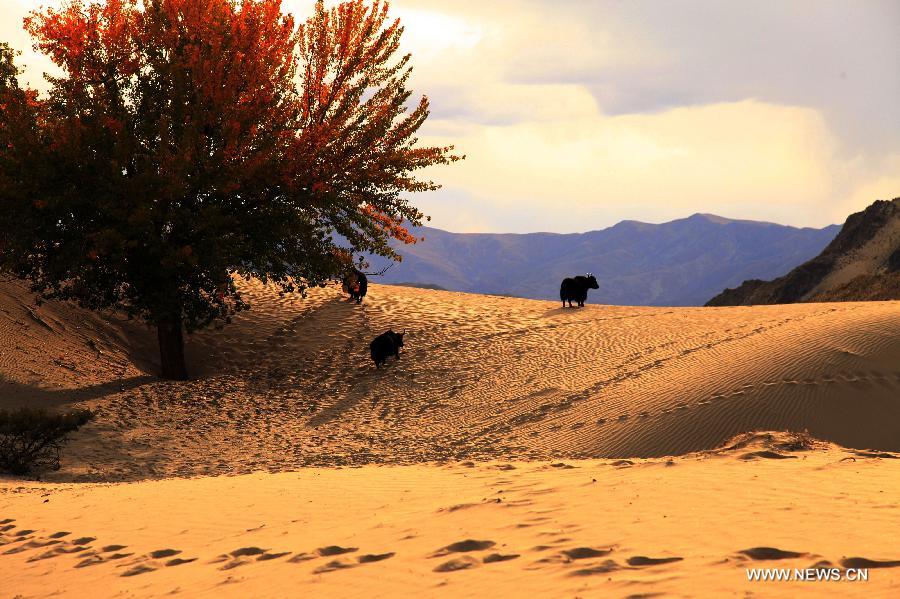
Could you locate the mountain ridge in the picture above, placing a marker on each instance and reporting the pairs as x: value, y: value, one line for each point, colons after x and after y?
x: 679, y: 262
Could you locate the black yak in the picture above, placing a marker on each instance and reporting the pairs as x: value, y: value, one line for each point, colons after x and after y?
x: 576, y: 289
x: 356, y: 284
x: 384, y: 345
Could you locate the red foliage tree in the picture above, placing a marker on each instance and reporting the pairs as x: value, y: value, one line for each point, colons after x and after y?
x: 191, y: 141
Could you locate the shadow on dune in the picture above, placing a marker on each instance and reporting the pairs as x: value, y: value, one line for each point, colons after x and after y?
x: 13, y: 394
x: 558, y: 311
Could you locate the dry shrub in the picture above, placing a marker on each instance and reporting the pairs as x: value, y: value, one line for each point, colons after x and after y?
x: 31, y: 439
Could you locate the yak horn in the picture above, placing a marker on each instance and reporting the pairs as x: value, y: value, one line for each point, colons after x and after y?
x: 380, y: 272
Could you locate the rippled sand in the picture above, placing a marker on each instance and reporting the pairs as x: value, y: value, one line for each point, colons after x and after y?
x: 514, y: 424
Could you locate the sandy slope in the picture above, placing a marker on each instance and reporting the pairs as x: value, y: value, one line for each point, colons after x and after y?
x: 291, y: 383
x: 689, y: 526
x: 290, y: 386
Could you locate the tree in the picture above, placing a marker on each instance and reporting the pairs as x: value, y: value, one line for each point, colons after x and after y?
x: 189, y: 142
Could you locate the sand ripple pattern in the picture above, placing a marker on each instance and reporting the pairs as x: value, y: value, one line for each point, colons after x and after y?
x: 290, y: 383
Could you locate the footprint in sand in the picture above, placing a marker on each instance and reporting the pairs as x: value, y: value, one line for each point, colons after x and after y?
x: 585, y: 553
x: 374, y: 557
x: 641, y: 560
x: 335, y: 550
x: 459, y: 563
x: 115, y: 556
x: 161, y: 553
x: 766, y: 454
x: 877, y: 454
x: 863, y: 562
x: 769, y: 553
x: 270, y: 556
x: 463, y: 547
x: 245, y: 551
x: 604, y: 568
x: 499, y: 557
x: 332, y: 566
x: 301, y: 557
x: 90, y: 561
x: 139, y: 569
x: 562, y: 466
x: 178, y: 561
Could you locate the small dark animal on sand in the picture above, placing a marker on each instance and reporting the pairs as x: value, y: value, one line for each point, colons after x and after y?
x: 357, y: 285
x: 576, y: 289
x: 384, y: 345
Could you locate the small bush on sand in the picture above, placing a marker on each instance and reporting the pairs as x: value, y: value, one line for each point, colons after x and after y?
x: 30, y: 439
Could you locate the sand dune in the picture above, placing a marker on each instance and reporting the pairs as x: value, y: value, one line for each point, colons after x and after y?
x: 687, y: 526
x: 290, y: 384
x: 516, y: 447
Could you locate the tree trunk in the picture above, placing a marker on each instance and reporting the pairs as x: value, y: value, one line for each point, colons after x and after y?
x: 171, y: 349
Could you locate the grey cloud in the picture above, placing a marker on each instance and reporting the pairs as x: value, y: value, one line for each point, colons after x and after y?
x: 840, y: 57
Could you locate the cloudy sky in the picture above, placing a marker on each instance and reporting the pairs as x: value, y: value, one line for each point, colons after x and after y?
x: 575, y: 115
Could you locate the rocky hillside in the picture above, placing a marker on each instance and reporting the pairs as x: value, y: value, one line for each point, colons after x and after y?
x: 861, y: 263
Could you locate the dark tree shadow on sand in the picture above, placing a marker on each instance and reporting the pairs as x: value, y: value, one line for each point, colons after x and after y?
x: 13, y: 394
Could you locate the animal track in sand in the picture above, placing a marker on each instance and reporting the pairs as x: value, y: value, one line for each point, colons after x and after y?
x: 463, y: 547
x: 599, y: 353
x: 604, y: 568
x: 245, y: 551
x: 864, y: 562
x: 499, y: 557
x: 137, y: 570
x: 301, y: 557
x: 270, y: 556
x: 769, y: 553
x: 585, y: 553
x: 332, y: 566
x: 766, y: 454
x: 374, y: 557
x: 458, y: 563
x: 641, y: 560
x: 178, y: 561
x: 335, y: 550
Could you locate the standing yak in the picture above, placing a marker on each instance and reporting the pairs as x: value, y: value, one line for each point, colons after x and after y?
x: 576, y: 289
x: 385, y: 345
x: 356, y: 284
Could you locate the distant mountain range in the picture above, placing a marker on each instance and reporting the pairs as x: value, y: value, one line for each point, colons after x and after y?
x: 679, y: 263
x: 861, y: 263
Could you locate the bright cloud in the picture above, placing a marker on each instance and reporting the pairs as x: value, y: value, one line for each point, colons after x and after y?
x: 576, y: 115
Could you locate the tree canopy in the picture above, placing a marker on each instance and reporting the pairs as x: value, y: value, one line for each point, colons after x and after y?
x: 191, y: 141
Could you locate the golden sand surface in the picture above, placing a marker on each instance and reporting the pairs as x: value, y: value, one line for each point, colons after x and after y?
x: 517, y: 448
